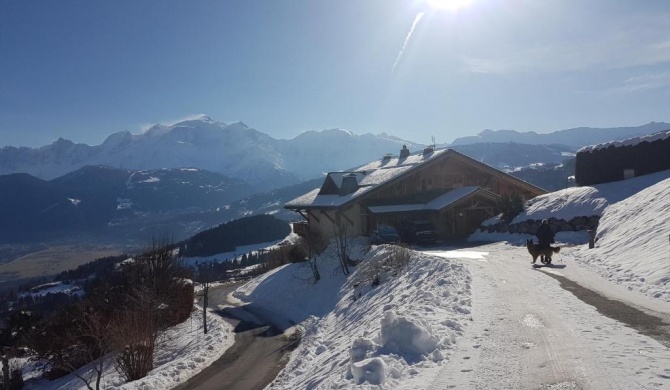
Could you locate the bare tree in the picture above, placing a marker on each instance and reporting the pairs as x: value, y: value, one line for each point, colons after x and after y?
x: 159, y: 274
x: 158, y: 298
x: 136, y: 332
x: 342, y: 238
x: 73, y: 338
x: 93, y: 335
x: 315, y: 244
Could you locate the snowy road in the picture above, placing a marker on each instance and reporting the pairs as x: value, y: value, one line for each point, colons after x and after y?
x: 528, y: 332
x: 255, y: 358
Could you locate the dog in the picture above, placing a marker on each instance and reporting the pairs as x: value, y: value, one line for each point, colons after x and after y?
x: 545, y: 253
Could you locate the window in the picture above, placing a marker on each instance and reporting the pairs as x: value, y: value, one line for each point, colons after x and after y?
x: 628, y: 173
x: 426, y: 184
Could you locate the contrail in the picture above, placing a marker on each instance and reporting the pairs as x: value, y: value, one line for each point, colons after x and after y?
x: 409, y: 35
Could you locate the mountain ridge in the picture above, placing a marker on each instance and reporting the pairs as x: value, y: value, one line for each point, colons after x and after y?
x: 111, y: 201
x: 239, y: 151
x: 576, y: 137
x: 234, y: 150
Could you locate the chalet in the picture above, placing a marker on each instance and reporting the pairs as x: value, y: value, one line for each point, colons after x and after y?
x: 443, y: 186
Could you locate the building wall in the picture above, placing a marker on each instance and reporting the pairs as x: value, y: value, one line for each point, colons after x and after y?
x: 326, y: 228
x: 439, y: 178
x: 608, y: 164
x: 422, y: 186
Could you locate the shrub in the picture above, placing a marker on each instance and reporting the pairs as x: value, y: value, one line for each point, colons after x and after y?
x: 510, y: 206
x: 376, y: 271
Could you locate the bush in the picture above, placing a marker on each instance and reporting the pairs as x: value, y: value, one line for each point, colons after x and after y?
x: 510, y: 206
x: 375, y: 272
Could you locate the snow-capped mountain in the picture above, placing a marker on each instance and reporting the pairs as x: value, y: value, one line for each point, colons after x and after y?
x: 238, y: 151
x: 234, y: 150
x: 577, y: 137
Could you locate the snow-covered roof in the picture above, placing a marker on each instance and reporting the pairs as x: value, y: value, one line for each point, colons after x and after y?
x: 661, y: 135
x: 396, y: 161
x: 338, y: 177
x: 436, y: 204
x: 368, y: 176
x: 378, y: 172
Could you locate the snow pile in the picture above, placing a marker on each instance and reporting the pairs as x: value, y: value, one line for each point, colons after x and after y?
x: 288, y: 293
x: 358, y: 333
x: 182, y: 352
x: 633, y: 245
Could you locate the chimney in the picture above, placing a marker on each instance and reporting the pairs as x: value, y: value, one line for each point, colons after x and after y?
x: 428, y: 150
x: 349, y: 184
x: 404, y: 152
x: 386, y: 158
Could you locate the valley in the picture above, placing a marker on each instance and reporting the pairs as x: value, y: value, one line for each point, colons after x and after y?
x: 50, y: 260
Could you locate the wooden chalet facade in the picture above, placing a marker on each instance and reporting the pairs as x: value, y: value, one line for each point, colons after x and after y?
x: 620, y: 160
x: 454, y: 192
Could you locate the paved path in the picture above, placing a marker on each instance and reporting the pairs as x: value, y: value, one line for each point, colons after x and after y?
x: 259, y: 353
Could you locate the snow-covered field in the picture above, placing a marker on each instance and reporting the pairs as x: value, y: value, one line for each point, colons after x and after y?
x: 479, y: 317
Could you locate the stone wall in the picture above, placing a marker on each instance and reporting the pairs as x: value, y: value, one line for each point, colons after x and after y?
x: 557, y: 225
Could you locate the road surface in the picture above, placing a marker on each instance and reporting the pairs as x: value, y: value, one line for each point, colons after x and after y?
x: 533, y: 328
x: 259, y: 353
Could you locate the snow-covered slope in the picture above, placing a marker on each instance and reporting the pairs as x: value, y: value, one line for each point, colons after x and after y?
x: 358, y: 334
x: 633, y: 246
x: 234, y: 150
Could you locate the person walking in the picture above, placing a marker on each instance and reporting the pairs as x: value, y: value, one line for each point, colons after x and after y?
x: 545, y: 237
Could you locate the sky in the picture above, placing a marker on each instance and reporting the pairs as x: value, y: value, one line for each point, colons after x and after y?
x: 82, y: 70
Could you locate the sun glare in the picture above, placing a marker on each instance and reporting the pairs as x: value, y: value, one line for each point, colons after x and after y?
x: 448, y: 5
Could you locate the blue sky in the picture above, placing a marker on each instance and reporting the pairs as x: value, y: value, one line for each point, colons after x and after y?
x: 85, y: 69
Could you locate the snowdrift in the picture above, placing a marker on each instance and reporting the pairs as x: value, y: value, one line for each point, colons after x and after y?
x: 412, y: 320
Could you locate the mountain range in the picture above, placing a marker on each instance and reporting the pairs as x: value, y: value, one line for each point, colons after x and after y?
x: 577, y: 137
x: 109, y: 201
x: 234, y: 150
x: 238, y: 151
x: 199, y: 173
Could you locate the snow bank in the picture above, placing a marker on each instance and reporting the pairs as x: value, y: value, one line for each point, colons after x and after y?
x: 289, y: 295
x: 586, y: 201
x: 633, y: 246
x: 411, y: 321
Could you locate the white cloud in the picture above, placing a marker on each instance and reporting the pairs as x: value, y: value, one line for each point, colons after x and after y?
x: 625, y: 44
x: 641, y: 83
x: 171, y: 122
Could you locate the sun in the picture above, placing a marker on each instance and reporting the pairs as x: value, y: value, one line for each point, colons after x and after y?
x: 448, y: 5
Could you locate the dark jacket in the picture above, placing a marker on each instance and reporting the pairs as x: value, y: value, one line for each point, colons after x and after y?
x: 545, y: 235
